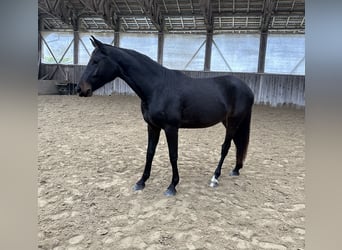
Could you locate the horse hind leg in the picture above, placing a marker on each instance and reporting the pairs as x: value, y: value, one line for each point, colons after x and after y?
x: 230, y: 125
x: 224, y: 152
x: 172, y: 142
x: 241, y: 140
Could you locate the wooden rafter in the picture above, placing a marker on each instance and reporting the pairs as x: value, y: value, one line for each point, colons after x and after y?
x: 60, y: 9
x: 106, y: 9
x: 166, y: 10
x: 207, y: 11
x: 47, y: 12
x: 267, y: 15
x: 192, y: 6
x: 61, y: 14
x: 152, y: 9
x: 178, y: 7
x: 302, y: 22
x: 293, y: 4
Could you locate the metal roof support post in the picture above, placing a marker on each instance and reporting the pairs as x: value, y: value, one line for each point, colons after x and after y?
x: 262, y: 52
x: 208, y: 46
x: 40, y: 28
x: 269, y: 6
x: 160, y: 47
x: 75, y: 24
x: 117, y: 31
x: 207, y: 11
x: 116, y: 38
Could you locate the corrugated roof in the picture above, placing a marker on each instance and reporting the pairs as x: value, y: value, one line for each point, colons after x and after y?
x: 251, y: 16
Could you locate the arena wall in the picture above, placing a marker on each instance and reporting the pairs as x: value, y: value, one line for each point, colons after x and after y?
x: 269, y: 89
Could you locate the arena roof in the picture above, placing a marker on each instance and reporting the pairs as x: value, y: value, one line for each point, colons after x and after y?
x: 248, y: 16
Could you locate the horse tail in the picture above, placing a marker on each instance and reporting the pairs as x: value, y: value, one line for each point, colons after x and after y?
x: 241, y: 138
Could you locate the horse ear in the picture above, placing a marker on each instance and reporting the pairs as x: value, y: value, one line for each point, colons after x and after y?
x: 92, y: 41
x: 96, y: 43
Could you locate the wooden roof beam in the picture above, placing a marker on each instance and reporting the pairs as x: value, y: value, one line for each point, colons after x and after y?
x: 269, y: 6
x: 83, y: 14
x: 57, y: 9
x: 105, y: 9
x: 207, y: 12
x: 192, y: 6
x: 47, y: 13
x: 152, y: 10
x: 60, y: 10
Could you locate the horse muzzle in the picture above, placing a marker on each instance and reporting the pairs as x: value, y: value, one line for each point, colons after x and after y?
x: 84, y: 90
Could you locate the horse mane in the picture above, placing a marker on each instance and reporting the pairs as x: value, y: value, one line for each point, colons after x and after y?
x: 142, y: 58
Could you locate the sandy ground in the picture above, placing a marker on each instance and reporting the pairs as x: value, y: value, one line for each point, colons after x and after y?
x: 92, y: 151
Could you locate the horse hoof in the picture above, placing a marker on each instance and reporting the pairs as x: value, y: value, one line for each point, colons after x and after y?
x: 213, y: 182
x: 234, y: 173
x: 138, y: 187
x: 170, y: 192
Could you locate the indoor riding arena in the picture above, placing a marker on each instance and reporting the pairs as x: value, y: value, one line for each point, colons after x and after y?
x: 92, y: 150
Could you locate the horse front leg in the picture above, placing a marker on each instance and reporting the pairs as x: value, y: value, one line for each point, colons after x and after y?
x: 172, y: 142
x: 153, y: 138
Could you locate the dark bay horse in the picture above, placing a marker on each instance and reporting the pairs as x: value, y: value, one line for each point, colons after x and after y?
x: 171, y: 100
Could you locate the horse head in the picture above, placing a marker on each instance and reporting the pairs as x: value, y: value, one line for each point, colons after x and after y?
x: 100, y: 69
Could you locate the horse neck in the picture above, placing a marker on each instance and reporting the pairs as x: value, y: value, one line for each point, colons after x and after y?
x: 141, y: 73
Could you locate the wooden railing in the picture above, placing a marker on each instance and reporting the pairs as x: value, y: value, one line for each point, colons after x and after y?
x: 270, y: 89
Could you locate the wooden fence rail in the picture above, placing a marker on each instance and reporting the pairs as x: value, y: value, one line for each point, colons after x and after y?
x: 270, y: 89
